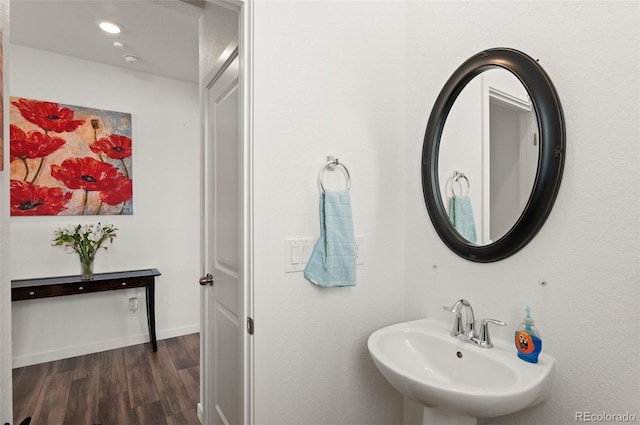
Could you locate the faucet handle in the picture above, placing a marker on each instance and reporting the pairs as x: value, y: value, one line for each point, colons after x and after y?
x: 485, y: 339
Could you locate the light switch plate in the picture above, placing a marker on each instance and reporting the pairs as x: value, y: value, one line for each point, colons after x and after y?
x: 296, y: 253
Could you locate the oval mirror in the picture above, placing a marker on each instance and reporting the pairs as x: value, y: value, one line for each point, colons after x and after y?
x: 493, y: 155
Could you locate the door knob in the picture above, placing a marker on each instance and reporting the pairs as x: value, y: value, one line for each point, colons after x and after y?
x: 206, y: 280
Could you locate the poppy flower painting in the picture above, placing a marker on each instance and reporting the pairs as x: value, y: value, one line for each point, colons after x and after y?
x: 48, y: 116
x: 114, y: 146
x: 69, y: 160
x: 32, y: 145
x: 30, y: 199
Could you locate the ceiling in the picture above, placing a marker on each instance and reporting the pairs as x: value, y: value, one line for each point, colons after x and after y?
x: 162, y: 33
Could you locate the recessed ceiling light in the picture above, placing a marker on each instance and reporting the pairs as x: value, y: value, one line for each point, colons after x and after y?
x: 118, y: 44
x: 129, y: 58
x: 109, y: 27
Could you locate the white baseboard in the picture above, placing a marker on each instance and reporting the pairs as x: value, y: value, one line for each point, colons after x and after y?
x: 98, y: 346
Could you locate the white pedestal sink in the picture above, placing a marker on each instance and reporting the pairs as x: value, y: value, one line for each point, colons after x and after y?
x: 454, y: 380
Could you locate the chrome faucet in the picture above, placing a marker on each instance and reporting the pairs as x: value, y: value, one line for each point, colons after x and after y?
x: 458, y: 328
x: 467, y: 331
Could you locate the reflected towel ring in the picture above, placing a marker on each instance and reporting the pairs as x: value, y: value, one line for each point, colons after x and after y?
x: 456, y: 177
x: 331, y: 166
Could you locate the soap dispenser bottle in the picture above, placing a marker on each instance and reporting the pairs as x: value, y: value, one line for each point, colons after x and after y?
x: 527, y: 339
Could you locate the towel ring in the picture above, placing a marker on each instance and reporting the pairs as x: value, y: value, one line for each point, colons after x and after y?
x: 331, y: 166
x: 456, y: 177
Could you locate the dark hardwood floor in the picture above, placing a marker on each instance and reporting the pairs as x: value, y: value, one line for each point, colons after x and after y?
x: 126, y: 386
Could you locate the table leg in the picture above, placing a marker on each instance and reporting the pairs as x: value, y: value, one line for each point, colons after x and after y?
x: 151, y: 313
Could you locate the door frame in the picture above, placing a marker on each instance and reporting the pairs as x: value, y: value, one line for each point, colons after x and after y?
x: 244, y: 45
x: 6, y: 386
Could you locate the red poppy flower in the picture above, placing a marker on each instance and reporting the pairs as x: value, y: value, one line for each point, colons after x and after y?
x: 114, y: 146
x: 30, y: 199
x: 122, y: 192
x: 48, y: 115
x: 33, y: 144
x: 86, y: 173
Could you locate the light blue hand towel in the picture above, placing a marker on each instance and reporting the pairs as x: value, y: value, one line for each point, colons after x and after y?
x: 333, y: 259
x: 461, y: 216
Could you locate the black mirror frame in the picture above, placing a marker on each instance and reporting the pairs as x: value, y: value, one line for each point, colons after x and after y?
x: 551, y: 128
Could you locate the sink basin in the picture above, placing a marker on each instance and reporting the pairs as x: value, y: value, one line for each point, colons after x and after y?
x: 422, y: 361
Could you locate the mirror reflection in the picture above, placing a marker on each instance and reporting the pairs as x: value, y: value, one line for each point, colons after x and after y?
x: 488, y: 157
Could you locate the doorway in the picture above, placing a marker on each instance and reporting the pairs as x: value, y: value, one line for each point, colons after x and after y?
x: 187, y: 279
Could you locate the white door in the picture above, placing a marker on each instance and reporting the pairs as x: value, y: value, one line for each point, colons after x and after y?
x: 222, y: 326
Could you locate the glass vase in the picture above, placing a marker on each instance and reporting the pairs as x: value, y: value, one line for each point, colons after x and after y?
x: 86, y: 268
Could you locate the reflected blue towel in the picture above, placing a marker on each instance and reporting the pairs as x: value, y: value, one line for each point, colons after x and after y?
x: 461, y: 216
x: 333, y: 259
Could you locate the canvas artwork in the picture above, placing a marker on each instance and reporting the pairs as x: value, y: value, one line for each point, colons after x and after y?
x: 69, y: 160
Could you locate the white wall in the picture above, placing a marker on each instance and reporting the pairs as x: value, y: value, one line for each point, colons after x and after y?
x: 588, y: 250
x: 162, y: 232
x: 328, y: 80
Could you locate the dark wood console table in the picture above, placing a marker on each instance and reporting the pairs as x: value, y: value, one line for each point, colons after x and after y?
x: 29, y: 289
